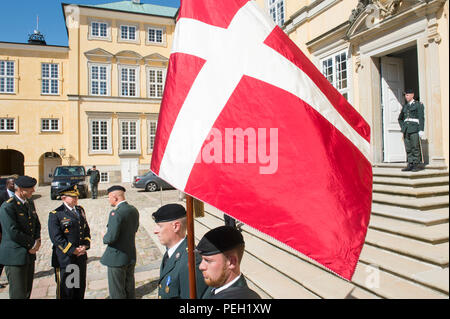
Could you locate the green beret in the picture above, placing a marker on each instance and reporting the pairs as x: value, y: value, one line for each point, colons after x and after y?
x: 219, y: 240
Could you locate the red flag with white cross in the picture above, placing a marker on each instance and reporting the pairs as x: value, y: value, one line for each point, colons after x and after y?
x: 250, y: 126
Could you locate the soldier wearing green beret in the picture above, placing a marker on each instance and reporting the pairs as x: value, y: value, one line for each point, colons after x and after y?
x: 412, y: 122
x: 21, y: 238
x: 120, y: 254
x: 171, y: 229
x: 222, y: 249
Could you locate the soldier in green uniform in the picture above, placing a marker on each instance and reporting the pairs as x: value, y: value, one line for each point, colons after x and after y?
x: 171, y: 229
x: 21, y: 238
x: 412, y: 122
x: 94, y: 180
x: 222, y: 249
x: 71, y: 238
x: 120, y: 254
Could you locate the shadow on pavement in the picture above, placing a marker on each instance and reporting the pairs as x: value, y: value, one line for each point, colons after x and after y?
x: 146, y: 289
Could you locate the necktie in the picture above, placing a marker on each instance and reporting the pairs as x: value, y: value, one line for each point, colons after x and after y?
x: 166, y: 256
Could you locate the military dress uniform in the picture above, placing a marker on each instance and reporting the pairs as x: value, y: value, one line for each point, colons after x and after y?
x: 21, y: 229
x: 412, y: 121
x: 68, y: 229
x: 173, y: 280
x: 120, y: 254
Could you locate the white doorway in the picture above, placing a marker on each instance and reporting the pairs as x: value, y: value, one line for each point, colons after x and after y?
x: 392, y: 88
x: 51, y: 161
x: 129, y: 169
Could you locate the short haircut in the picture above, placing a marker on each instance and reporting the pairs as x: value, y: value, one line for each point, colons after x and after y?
x: 238, y: 250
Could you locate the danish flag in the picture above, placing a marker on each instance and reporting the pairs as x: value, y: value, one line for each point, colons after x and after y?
x: 231, y: 69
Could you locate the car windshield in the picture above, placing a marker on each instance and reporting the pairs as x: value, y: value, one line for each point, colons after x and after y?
x: 70, y: 171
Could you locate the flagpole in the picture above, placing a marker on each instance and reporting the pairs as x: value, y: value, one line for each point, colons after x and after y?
x: 190, y: 240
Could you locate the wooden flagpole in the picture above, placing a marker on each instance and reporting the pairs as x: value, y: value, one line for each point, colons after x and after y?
x: 191, y: 241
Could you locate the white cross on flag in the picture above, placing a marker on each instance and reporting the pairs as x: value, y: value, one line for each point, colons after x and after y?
x: 250, y: 126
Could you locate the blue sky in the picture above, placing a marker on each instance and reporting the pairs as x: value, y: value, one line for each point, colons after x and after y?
x: 18, y: 18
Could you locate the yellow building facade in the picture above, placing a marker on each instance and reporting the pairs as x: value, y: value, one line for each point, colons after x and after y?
x: 93, y: 102
x: 96, y: 101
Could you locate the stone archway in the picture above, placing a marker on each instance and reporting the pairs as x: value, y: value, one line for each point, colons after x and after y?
x: 11, y: 162
x: 47, y: 164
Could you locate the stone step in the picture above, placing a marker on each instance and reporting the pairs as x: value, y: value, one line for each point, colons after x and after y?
x: 426, y: 203
x: 431, y: 234
x: 413, y: 192
x: 402, y: 165
x: 416, y: 182
x: 396, y: 172
x: 432, y: 217
x: 434, y: 254
x: 423, y: 273
x: 285, y: 255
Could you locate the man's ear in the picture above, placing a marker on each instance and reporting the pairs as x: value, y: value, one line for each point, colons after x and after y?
x: 176, y: 226
x: 232, y: 261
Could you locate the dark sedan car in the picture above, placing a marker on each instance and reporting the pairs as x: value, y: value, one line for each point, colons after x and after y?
x: 65, y: 176
x: 150, y: 182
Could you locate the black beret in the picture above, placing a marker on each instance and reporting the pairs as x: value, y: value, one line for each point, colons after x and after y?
x: 116, y: 188
x: 408, y: 91
x: 219, y: 240
x: 168, y: 213
x: 71, y: 190
x: 25, y: 181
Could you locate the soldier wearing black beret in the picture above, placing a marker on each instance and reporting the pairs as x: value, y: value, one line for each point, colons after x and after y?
x: 412, y: 123
x: 171, y: 229
x: 70, y: 234
x: 222, y: 250
x: 120, y: 254
x: 21, y: 238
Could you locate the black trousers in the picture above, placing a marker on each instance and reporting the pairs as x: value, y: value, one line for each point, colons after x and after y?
x: 71, y: 281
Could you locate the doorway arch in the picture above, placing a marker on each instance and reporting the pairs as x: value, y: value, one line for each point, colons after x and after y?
x: 11, y: 162
x: 47, y: 164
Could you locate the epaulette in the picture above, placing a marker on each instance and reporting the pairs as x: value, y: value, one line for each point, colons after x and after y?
x: 53, y: 212
x: 60, y: 208
x: 10, y: 200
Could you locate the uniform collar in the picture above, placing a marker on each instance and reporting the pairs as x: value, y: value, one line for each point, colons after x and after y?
x: 120, y: 203
x: 10, y: 194
x: 20, y: 199
x: 170, y: 251
x: 216, y: 291
x: 68, y: 207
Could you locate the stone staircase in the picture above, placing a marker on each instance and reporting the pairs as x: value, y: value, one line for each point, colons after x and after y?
x: 406, y: 253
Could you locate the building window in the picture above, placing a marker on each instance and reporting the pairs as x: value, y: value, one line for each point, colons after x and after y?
x: 334, y: 68
x: 50, y: 78
x: 156, y: 80
x: 155, y: 35
x: 99, y: 79
x: 99, y: 135
x: 104, y: 177
x: 50, y: 125
x: 127, y: 32
x: 276, y: 10
x: 7, y: 125
x: 152, y: 134
x: 6, y: 76
x: 99, y: 29
x: 129, y: 85
x: 129, y: 135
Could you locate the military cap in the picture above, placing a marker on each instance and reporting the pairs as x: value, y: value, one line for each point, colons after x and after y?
x: 25, y: 181
x: 408, y: 91
x: 116, y: 188
x: 219, y: 240
x: 71, y: 190
x: 168, y: 213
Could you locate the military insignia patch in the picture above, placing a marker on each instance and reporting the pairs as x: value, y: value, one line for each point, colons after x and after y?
x: 66, y: 231
x: 167, y: 290
x: 177, y: 255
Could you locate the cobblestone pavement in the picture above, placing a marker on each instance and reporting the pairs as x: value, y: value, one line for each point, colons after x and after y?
x: 149, y: 250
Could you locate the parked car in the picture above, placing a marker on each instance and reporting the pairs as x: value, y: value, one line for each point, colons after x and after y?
x: 65, y: 176
x: 150, y: 182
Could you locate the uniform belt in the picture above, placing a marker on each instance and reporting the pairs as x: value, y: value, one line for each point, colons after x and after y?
x: 412, y: 120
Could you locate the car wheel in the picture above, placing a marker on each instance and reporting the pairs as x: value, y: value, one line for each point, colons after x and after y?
x: 151, y: 187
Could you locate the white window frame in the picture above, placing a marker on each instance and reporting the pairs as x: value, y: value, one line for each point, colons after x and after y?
x: 50, y: 126
x: 150, y: 84
x: 137, y: 77
x: 137, y: 135
x: 92, y: 36
x: 108, y: 78
x: 155, y: 28
x: 127, y: 39
x: 277, y: 11
x: 151, y: 121
x: 107, y: 177
x: 4, y: 76
x: 334, y: 69
x: 4, y: 124
x: 108, y: 135
x: 50, y: 78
